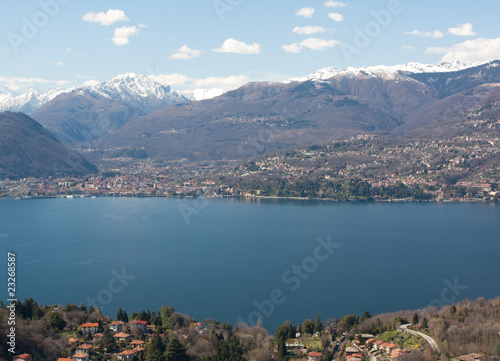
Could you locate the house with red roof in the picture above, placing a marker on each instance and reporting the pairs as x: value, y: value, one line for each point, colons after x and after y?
x: 90, y: 327
x: 23, y: 357
x: 81, y: 357
x: 84, y: 348
x: 121, y: 336
x: 116, y: 326
x: 127, y: 355
x: 138, y: 325
x: 314, y: 356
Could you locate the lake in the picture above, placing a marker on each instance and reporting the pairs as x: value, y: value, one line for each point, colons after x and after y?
x: 230, y: 260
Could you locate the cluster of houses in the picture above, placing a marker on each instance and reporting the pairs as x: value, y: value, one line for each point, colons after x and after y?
x: 394, y: 351
x: 137, y: 327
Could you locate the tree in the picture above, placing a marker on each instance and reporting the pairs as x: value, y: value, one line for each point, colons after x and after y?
x: 327, y: 355
x: 175, y: 351
x: 367, y: 315
x: 453, y: 309
x: 119, y: 315
x: 415, y: 319
x: 318, y: 325
x: 155, y: 350
x: 281, y: 349
x: 308, y: 326
x: 56, y: 321
x: 424, y: 323
x: 108, y: 340
x: 165, y: 313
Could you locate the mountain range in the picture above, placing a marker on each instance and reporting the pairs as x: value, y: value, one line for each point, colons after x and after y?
x: 133, y: 112
x: 327, y: 105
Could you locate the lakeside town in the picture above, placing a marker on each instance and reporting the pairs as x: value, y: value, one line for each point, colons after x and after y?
x: 363, y: 167
x: 81, y: 333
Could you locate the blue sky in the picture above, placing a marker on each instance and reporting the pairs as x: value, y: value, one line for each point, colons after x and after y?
x: 225, y: 43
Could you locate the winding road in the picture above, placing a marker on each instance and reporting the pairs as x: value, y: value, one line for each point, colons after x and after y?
x: 430, y: 340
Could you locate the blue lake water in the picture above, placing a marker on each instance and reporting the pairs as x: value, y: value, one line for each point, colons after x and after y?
x: 232, y: 260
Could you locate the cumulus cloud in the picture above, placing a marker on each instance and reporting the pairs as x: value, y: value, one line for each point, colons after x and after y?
x: 60, y: 63
x: 436, y: 34
x: 305, y: 12
x: 310, y: 43
x: 474, y: 51
x: 308, y: 29
x: 462, y: 30
x: 334, y: 4
x: 184, y: 53
x: 105, y: 18
x: 189, y: 83
x: 336, y: 16
x: 238, y: 47
x: 122, y: 34
x: 171, y: 79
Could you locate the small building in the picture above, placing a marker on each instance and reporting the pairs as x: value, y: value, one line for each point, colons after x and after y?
x: 314, y: 356
x: 97, y: 337
x: 81, y: 357
x: 121, y: 336
x: 90, y: 327
x: 136, y: 343
x: 72, y: 341
x: 138, y: 325
x: 127, y: 355
x: 470, y: 357
x: 376, y: 344
x: 64, y: 359
x: 350, y: 351
x: 23, y: 357
x: 116, y: 326
x: 84, y: 348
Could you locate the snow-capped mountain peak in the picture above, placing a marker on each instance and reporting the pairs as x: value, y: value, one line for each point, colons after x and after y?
x: 384, y: 71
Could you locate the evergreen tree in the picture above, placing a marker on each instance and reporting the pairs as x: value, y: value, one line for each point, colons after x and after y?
x: 108, y: 340
x: 367, y: 315
x: 91, y: 309
x: 318, y: 325
x: 56, y: 321
x: 175, y: 351
x: 424, y: 323
x: 299, y: 328
x: 281, y: 349
x: 119, y: 315
x: 415, y: 319
x: 125, y: 317
x: 327, y: 355
x: 453, y: 310
x: 155, y: 350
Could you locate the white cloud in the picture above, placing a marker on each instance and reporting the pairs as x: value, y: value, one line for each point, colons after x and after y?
x: 462, y: 30
x: 336, y: 16
x: 334, y: 4
x: 308, y: 29
x: 190, y: 84
x: 91, y: 82
x: 305, y: 12
x: 60, y: 63
x: 436, y: 34
x: 122, y: 34
x: 310, y: 43
x: 17, y: 83
x: 238, y: 47
x: 436, y: 50
x: 184, y: 53
x: 472, y: 51
x: 109, y: 18
x: 171, y: 79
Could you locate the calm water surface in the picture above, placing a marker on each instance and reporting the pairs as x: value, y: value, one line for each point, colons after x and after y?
x: 235, y: 260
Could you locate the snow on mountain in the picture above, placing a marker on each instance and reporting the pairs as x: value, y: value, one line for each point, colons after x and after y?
x: 137, y: 91
x: 383, y: 71
x: 202, y: 94
x: 29, y: 101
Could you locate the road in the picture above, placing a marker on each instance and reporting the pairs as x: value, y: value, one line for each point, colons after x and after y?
x: 430, y: 340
